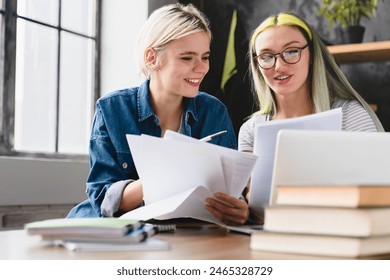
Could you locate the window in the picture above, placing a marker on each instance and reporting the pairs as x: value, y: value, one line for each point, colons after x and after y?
x: 2, y: 13
x: 52, y: 78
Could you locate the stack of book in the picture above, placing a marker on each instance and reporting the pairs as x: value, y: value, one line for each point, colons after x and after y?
x: 348, y: 221
x: 97, y: 234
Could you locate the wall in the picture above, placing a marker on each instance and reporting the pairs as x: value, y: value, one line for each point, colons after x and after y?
x: 33, y: 189
x: 121, y: 21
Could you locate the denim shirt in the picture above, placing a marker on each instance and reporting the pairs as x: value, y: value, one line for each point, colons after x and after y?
x: 129, y: 111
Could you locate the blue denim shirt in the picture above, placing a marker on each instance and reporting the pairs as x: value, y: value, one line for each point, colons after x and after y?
x: 129, y: 111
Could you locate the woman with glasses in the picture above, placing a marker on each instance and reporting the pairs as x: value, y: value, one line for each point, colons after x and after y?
x: 295, y: 75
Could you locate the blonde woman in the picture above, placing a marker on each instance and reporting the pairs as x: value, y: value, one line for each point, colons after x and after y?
x: 173, y: 52
x: 294, y: 75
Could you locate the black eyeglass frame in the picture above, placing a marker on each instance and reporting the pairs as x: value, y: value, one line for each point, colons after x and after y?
x: 300, y: 49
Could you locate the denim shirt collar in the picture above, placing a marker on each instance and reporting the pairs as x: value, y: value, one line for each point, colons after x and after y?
x: 145, y: 109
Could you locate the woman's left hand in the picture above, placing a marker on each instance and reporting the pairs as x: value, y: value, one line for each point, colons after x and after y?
x: 227, y: 209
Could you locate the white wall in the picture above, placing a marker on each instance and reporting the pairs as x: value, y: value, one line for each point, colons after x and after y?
x: 26, y: 181
x: 122, y: 20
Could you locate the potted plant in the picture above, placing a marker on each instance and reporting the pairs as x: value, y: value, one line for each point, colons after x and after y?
x: 348, y: 13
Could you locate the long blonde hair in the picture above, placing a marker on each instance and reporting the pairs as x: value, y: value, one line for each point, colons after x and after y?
x: 327, y: 81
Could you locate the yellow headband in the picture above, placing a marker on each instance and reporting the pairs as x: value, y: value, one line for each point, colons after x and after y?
x: 280, y: 19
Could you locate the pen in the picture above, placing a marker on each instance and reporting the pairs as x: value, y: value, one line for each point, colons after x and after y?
x: 212, y: 136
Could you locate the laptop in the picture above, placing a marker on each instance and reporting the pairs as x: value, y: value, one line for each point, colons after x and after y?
x: 331, y: 158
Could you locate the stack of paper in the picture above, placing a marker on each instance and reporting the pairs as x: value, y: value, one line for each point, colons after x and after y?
x: 179, y: 172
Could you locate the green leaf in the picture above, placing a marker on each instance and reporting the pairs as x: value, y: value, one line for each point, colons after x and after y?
x: 347, y: 12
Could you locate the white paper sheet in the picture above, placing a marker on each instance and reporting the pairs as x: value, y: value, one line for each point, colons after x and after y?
x: 179, y: 172
x: 235, y: 165
x: 188, y: 204
x: 264, y: 148
x: 168, y: 167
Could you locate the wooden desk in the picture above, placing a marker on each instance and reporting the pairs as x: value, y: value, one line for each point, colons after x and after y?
x: 209, y: 243
x: 201, y: 243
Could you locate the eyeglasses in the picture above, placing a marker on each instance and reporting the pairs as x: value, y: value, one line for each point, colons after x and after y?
x: 289, y: 55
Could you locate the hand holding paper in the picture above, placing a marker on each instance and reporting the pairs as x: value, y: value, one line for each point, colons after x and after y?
x: 179, y: 172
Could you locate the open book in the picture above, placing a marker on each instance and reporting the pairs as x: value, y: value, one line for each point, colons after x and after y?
x: 178, y: 173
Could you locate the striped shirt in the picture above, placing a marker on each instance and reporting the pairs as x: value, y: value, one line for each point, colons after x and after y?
x: 355, y: 118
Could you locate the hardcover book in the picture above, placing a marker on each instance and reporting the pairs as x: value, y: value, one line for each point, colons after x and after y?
x: 334, y: 195
x: 324, y: 245
x: 360, y: 222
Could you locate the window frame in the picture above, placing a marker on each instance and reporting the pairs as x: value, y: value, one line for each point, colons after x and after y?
x: 8, y: 77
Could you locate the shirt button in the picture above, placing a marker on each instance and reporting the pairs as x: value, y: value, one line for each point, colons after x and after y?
x: 124, y: 165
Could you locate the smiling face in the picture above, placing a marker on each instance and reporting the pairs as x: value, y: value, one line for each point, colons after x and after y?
x: 285, y: 79
x: 183, y: 66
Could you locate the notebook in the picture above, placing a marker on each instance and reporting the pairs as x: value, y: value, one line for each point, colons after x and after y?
x: 264, y: 148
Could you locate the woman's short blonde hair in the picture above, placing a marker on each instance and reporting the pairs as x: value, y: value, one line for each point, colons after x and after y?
x: 166, y: 24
